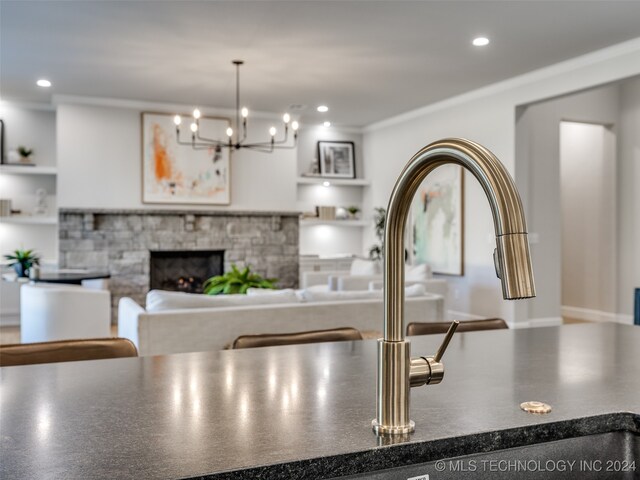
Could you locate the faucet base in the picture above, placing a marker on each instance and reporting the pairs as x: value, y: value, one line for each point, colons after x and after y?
x: 392, y: 430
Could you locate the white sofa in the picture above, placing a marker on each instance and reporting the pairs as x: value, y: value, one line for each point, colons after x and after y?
x: 178, y: 322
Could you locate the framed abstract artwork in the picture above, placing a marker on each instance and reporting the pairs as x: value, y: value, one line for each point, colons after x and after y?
x: 336, y: 159
x: 176, y: 173
x: 437, y: 221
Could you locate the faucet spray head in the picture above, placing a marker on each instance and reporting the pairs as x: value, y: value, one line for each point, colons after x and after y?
x: 513, y: 266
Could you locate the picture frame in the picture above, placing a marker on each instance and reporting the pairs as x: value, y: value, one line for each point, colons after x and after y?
x: 437, y: 221
x: 173, y: 172
x: 336, y: 159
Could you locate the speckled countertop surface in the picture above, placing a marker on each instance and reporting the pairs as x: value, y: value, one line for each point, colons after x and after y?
x: 305, y: 411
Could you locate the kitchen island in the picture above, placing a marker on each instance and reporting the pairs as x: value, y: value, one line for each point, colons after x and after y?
x: 305, y: 411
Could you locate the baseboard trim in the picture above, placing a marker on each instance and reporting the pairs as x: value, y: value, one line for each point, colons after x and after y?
x: 537, y: 322
x: 10, y: 320
x: 595, y: 315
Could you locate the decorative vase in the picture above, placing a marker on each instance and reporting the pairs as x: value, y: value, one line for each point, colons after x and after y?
x: 20, y: 270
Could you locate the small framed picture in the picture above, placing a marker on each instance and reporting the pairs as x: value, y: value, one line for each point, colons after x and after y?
x: 336, y: 159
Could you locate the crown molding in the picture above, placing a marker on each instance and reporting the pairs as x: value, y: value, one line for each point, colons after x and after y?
x: 60, y: 99
x: 43, y: 107
x: 567, y: 66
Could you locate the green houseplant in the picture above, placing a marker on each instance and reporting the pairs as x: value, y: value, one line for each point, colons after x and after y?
x: 353, y: 211
x: 22, y: 261
x: 24, y: 153
x: 237, y: 281
x: 379, y: 217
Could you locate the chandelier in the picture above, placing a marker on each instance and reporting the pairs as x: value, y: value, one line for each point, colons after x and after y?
x: 235, y: 140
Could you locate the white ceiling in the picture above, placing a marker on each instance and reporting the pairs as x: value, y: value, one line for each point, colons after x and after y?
x: 367, y: 60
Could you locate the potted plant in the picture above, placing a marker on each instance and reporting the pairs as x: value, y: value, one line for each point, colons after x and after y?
x: 375, y: 252
x: 353, y: 212
x: 24, y: 153
x: 22, y: 261
x: 236, y: 281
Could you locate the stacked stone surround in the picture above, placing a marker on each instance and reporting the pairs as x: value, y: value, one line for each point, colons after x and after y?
x: 119, y: 241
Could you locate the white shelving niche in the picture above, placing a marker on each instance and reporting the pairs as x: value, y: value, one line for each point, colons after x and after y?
x: 32, y: 126
x: 330, y: 237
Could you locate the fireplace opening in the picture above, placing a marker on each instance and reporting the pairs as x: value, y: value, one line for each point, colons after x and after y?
x: 184, y: 271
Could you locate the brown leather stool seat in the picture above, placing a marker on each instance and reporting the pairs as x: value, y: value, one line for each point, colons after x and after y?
x: 420, y: 328
x: 316, y: 336
x: 66, y: 351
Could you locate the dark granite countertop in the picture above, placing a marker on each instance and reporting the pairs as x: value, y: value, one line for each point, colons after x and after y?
x: 305, y: 411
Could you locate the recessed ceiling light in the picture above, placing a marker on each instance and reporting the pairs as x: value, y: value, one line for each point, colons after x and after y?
x: 43, y: 83
x: 327, y: 124
x: 323, y: 108
x: 480, y: 41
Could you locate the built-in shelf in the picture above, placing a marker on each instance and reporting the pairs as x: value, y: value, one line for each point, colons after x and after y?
x: 339, y: 223
x: 27, y: 170
x: 347, y: 182
x: 29, y: 220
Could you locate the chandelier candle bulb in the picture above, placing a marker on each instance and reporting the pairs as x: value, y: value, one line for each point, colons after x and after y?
x: 177, y: 120
x: 194, y: 127
x: 286, y: 117
x: 196, y: 114
x: 272, y: 131
x: 245, y: 112
x: 229, y: 132
x: 295, y: 125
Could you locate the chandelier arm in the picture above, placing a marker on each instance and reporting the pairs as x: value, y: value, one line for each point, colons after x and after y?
x: 259, y: 148
x: 206, y: 139
x: 198, y: 145
x: 285, y: 147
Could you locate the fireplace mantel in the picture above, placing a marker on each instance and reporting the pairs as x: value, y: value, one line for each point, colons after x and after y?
x: 159, y: 211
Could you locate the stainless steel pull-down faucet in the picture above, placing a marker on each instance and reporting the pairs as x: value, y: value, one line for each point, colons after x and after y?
x: 397, y: 371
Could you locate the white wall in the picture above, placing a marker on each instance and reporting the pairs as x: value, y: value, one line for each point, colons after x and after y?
x: 629, y: 195
x: 539, y: 181
x: 487, y: 116
x: 588, y: 200
x: 99, y: 164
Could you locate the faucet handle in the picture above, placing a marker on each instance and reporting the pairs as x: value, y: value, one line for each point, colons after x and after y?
x: 429, y: 370
x: 445, y: 343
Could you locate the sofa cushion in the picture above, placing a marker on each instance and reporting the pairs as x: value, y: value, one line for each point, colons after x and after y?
x: 283, y: 293
x: 417, y: 273
x: 364, y: 267
x: 330, y: 296
x: 159, y: 300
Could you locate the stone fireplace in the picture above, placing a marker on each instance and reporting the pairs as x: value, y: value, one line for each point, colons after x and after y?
x: 183, y: 270
x: 123, y: 242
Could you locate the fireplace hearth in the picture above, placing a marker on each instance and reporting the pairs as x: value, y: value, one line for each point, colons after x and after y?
x: 182, y: 270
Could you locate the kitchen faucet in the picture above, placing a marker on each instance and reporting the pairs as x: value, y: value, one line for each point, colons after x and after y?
x: 397, y: 371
